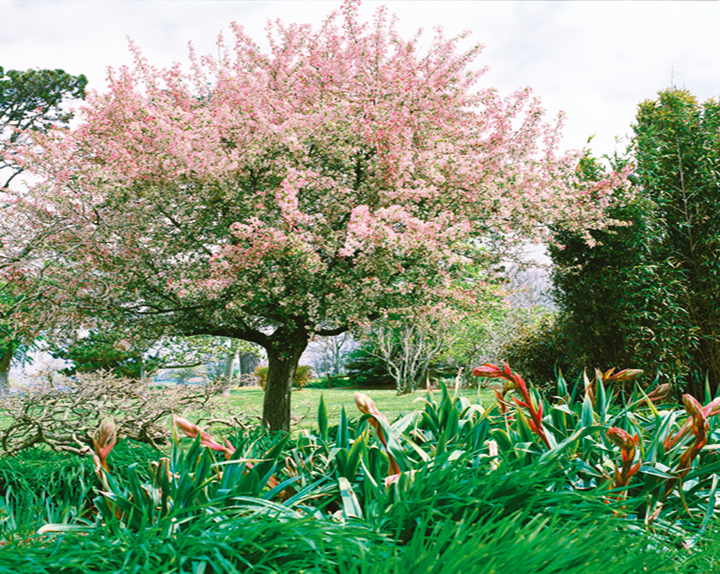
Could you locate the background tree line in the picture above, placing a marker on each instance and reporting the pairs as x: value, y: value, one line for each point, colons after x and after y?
x: 646, y: 295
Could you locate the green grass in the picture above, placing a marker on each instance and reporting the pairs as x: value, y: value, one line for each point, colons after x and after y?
x: 247, y: 401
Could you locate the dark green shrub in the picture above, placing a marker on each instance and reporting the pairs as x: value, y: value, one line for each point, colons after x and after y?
x: 646, y: 295
x: 540, y: 351
x: 366, y: 370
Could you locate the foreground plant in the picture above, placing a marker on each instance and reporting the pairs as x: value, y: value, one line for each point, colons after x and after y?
x: 384, y: 432
x: 628, y: 445
x: 514, y: 382
x: 660, y: 450
x: 448, y: 471
x: 184, y: 486
x: 104, y: 439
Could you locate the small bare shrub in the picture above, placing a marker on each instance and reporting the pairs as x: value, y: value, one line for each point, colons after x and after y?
x: 63, y: 412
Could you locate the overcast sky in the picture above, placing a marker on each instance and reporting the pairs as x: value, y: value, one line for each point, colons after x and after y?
x: 593, y: 60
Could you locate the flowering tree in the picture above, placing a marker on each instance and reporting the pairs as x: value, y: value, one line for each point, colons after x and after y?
x: 30, y: 101
x: 275, y: 197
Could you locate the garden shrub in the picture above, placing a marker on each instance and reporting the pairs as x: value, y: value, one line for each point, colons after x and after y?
x: 64, y: 412
x: 540, y: 352
x: 367, y: 370
x: 646, y: 295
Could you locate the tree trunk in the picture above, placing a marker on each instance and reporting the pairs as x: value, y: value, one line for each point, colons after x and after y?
x: 5, y: 360
x: 229, y: 370
x: 405, y: 387
x: 283, y: 356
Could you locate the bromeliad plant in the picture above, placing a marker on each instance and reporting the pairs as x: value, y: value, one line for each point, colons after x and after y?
x: 627, y: 446
x: 514, y: 382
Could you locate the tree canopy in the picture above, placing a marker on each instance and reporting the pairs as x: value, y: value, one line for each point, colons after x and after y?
x: 30, y: 101
x: 276, y: 196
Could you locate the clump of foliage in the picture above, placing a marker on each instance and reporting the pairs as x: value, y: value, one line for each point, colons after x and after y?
x: 646, y: 294
x: 97, y: 352
x: 543, y: 349
x: 576, y: 484
x: 366, y: 369
x: 63, y: 412
x: 302, y: 376
x: 38, y: 486
x: 261, y: 376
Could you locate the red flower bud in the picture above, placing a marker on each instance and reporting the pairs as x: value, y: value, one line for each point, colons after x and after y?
x: 104, y: 440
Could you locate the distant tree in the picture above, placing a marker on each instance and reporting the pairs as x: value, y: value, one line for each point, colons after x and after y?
x: 98, y: 352
x: 30, y: 101
x: 485, y: 337
x: 275, y: 197
x: 366, y: 369
x: 184, y: 357
x: 407, y: 345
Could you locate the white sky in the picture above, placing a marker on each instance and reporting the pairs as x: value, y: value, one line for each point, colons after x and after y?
x: 593, y: 60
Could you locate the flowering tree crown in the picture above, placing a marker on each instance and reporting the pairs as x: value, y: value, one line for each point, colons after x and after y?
x: 344, y: 172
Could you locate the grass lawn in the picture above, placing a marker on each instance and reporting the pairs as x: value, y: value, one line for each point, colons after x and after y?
x: 248, y: 401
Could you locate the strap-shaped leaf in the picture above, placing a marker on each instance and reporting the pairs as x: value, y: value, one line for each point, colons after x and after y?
x: 323, y: 419
x: 351, y: 506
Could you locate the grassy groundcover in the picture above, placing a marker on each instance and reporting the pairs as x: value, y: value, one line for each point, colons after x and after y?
x: 451, y: 518
x: 247, y: 401
x: 273, y: 544
x: 450, y: 488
